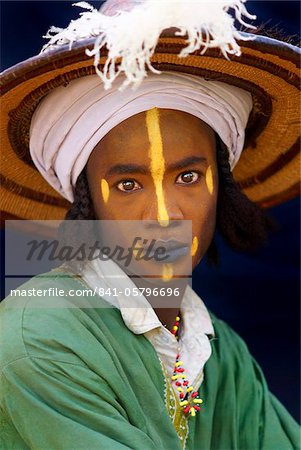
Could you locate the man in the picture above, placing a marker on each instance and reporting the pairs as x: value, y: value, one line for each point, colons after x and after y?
x: 108, y: 377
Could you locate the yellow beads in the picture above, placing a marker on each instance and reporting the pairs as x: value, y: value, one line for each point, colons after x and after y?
x: 179, y: 363
x: 188, y: 398
x: 184, y: 403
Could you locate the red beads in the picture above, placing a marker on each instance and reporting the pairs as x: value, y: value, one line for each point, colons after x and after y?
x: 189, y: 399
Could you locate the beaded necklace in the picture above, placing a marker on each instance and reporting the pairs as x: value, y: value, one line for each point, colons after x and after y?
x: 189, y: 398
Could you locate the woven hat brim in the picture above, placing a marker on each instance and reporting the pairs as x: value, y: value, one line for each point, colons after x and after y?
x: 268, y: 170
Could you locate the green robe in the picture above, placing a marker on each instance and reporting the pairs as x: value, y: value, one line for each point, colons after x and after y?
x: 77, y: 378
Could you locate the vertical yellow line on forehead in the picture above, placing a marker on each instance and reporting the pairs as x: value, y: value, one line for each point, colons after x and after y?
x: 209, y: 180
x: 105, y: 190
x: 157, y: 163
x: 194, y: 245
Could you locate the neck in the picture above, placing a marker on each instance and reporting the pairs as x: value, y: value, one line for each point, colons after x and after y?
x: 164, y: 297
x: 167, y: 316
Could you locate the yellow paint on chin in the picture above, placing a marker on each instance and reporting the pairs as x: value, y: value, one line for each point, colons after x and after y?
x: 157, y: 163
x: 105, y: 190
x: 194, y: 246
x: 167, y: 272
x: 209, y: 180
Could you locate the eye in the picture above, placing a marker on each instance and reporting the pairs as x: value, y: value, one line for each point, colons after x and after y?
x: 128, y: 186
x: 189, y: 177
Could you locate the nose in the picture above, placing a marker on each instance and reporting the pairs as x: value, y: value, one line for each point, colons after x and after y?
x: 172, y: 210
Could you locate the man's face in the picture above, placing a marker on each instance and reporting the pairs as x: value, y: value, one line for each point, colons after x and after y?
x: 158, y: 166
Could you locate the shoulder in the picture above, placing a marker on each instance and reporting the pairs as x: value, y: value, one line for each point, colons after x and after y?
x: 232, y: 364
x: 238, y: 382
x: 229, y: 350
x: 51, y: 316
x: 225, y: 335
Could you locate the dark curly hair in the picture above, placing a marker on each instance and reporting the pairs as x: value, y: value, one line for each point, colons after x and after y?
x: 241, y: 222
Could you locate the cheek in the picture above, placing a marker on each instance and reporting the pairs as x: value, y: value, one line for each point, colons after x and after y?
x: 100, y: 195
x: 104, y: 201
x: 203, y: 228
x: 118, y: 206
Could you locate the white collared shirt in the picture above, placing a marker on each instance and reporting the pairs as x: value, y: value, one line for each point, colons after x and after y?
x: 138, y: 315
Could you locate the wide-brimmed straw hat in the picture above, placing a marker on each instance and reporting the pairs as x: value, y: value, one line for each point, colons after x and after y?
x: 268, y: 170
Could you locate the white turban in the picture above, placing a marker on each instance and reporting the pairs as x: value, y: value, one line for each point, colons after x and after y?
x: 71, y: 120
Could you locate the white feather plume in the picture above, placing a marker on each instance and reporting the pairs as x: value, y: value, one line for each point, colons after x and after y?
x: 131, y: 36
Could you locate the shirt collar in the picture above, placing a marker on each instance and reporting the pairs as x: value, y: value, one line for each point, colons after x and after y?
x: 136, y: 311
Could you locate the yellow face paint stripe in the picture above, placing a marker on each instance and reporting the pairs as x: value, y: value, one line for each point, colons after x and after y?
x: 167, y: 272
x: 209, y: 180
x: 105, y: 190
x: 138, y: 246
x: 194, y: 246
x: 157, y: 163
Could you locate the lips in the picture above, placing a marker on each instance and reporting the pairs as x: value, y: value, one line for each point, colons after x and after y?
x: 170, y: 250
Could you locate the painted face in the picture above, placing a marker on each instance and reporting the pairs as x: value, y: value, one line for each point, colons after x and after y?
x: 159, y: 165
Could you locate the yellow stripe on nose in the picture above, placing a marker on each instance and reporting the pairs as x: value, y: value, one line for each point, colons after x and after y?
x: 157, y: 163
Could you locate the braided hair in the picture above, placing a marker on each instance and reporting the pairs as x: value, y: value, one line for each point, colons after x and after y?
x: 82, y: 206
x: 242, y: 223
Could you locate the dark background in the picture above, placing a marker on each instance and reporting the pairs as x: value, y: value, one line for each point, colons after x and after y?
x: 258, y: 295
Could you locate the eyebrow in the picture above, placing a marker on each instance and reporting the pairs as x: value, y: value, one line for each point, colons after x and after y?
x: 186, y: 162
x: 121, y: 169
